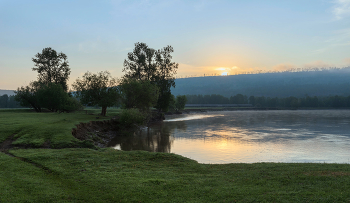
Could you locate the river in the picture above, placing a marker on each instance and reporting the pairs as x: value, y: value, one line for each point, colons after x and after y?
x: 313, y: 136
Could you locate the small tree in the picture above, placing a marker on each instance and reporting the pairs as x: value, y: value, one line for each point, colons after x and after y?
x: 180, y: 102
x: 138, y: 94
x: 97, y: 89
x: 52, y: 67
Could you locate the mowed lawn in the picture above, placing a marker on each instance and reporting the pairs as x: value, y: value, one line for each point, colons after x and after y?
x: 108, y: 175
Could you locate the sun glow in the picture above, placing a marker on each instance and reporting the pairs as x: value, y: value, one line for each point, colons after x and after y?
x: 224, y: 73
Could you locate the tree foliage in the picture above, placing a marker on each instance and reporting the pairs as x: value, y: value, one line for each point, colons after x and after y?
x: 52, y: 67
x: 138, y: 94
x: 165, y: 76
x: 50, y: 90
x: 50, y: 96
x: 180, y: 102
x: 146, y: 64
x: 97, y: 89
x: 140, y: 64
x: 27, y: 96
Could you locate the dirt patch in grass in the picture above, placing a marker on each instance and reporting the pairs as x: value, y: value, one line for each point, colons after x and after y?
x: 7, y: 144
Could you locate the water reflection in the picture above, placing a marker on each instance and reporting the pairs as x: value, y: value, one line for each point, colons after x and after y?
x: 249, y: 136
x: 157, y: 138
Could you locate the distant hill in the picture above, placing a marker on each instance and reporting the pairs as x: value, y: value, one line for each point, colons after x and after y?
x: 285, y: 84
x: 8, y: 92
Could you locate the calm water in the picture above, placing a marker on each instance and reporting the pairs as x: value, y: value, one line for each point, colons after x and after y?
x: 249, y: 136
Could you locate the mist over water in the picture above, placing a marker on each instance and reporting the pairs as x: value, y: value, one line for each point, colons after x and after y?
x: 249, y: 136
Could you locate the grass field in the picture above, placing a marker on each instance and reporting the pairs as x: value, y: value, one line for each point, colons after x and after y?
x: 107, y: 175
x: 32, y: 129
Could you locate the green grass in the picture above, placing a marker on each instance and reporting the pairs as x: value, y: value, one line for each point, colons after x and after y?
x: 107, y: 175
x: 33, y: 129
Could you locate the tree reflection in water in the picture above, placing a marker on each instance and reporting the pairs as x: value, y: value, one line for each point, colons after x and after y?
x: 155, y: 138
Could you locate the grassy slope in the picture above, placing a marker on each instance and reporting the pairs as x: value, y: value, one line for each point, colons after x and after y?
x: 107, y: 175
x: 34, y: 129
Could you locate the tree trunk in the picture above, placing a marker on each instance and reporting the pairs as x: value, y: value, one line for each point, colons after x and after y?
x: 104, y: 111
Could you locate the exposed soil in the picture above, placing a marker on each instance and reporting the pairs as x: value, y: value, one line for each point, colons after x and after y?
x: 7, y: 144
x: 99, y: 132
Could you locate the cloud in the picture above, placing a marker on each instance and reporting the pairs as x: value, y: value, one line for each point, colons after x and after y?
x: 341, y: 9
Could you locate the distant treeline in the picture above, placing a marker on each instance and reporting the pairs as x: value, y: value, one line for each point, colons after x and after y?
x: 9, y: 102
x: 320, y: 83
x: 286, y: 102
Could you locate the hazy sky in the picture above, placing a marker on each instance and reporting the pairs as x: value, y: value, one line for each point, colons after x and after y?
x: 208, y: 36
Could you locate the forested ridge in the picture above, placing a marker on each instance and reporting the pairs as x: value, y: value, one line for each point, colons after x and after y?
x: 324, y: 82
x: 273, y: 102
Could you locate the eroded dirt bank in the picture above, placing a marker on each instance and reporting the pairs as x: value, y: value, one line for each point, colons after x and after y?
x: 99, y: 132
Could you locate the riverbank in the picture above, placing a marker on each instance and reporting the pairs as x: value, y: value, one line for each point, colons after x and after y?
x: 78, y: 174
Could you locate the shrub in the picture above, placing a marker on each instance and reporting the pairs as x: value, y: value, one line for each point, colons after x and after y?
x: 132, y: 117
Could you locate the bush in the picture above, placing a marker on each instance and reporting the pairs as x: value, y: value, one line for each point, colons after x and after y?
x: 132, y: 117
x: 138, y: 94
x: 72, y: 104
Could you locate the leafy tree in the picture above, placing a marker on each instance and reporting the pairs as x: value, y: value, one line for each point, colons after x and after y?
x: 172, y: 103
x: 50, y: 96
x: 146, y: 64
x: 180, y: 102
x: 27, y: 96
x: 52, y: 67
x: 50, y: 91
x: 140, y: 63
x: 97, y: 89
x: 138, y: 94
x: 165, y: 76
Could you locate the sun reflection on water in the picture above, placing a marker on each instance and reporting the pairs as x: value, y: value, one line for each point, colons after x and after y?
x: 250, y: 136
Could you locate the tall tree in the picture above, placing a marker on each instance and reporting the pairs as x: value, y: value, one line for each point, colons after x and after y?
x: 140, y: 63
x: 52, y: 67
x: 145, y: 63
x: 166, y: 70
x: 97, y: 89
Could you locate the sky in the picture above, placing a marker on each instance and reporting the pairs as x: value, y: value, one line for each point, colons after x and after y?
x: 208, y: 36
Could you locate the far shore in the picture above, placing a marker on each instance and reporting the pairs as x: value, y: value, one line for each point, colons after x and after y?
x: 205, y: 109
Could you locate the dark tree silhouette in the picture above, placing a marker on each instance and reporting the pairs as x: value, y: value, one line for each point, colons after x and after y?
x: 52, y: 67
x: 97, y: 89
x: 146, y: 64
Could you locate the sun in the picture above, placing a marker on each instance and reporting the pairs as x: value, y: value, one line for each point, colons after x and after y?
x: 224, y: 73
